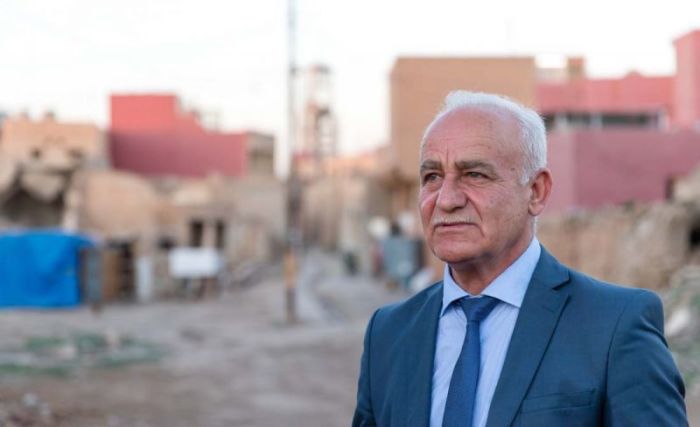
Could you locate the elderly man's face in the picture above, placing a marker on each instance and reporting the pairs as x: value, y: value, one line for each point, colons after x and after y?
x: 472, y: 203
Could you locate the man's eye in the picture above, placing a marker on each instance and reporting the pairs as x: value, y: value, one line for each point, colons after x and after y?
x: 478, y: 175
x: 429, y: 177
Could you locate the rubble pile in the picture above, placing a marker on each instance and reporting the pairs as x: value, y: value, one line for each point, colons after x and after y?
x: 636, y: 245
x: 30, y: 411
x: 682, y: 306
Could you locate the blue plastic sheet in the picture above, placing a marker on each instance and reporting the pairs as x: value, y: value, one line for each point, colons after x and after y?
x: 40, y: 268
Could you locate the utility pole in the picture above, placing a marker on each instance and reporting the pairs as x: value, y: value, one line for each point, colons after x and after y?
x: 291, y: 264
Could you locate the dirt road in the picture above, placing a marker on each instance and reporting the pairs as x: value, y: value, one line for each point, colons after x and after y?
x: 229, y: 361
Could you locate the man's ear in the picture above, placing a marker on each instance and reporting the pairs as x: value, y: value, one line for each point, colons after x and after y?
x: 541, y: 187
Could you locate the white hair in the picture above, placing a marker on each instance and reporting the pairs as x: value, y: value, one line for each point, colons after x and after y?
x: 533, y: 135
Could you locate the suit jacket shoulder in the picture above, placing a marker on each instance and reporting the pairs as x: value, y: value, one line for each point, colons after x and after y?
x: 586, y: 352
x: 398, y: 315
x: 395, y: 381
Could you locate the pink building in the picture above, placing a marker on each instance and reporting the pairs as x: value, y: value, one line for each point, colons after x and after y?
x: 152, y: 135
x: 618, y: 140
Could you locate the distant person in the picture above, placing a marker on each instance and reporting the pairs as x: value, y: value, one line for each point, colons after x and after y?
x: 509, y: 337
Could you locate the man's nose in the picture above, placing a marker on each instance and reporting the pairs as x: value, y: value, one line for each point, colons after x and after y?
x: 451, y: 197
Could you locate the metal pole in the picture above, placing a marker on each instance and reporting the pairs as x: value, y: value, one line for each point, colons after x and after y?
x: 293, y: 186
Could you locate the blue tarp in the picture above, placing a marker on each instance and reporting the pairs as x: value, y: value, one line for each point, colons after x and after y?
x: 40, y: 268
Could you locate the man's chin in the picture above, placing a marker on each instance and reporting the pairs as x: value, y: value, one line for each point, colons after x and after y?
x: 455, y: 256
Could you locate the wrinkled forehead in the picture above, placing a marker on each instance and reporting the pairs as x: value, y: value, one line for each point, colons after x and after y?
x: 501, y: 126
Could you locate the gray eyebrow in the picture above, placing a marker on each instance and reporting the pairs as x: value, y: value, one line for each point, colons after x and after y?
x: 475, y: 164
x: 430, y: 164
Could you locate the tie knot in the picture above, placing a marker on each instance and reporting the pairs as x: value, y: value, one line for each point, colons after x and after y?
x: 476, y: 309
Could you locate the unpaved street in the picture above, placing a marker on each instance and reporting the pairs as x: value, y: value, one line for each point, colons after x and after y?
x: 228, y: 361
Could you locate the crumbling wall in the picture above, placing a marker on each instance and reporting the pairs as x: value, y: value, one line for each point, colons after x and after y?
x: 38, y: 160
x: 637, y: 245
x: 115, y: 204
x: 682, y: 309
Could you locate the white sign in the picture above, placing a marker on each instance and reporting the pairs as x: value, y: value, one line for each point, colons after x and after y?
x: 195, y: 263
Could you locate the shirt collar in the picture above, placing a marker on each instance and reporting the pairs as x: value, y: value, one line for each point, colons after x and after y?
x: 509, y: 286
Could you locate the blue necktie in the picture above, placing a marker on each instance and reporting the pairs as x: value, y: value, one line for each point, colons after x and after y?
x: 459, y: 407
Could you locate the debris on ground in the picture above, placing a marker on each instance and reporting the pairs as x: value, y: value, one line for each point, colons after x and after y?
x: 29, y: 411
x: 682, y: 306
x: 63, y: 355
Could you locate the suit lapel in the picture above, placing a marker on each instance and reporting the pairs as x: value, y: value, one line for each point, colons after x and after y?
x: 419, y: 360
x: 539, y: 314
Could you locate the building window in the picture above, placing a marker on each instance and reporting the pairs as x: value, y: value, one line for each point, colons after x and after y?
x: 601, y: 120
x: 196, y: 233
x: 220, y: 234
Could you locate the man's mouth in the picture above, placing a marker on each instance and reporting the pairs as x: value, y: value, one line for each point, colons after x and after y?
x: 453, y: 224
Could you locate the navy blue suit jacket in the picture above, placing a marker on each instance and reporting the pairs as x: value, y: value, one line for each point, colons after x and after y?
x: 583, y: 353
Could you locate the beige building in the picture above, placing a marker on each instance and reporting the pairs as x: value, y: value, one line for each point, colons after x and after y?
x: 241, y: 218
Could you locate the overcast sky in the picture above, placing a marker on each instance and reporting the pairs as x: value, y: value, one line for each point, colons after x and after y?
x: 228, y: 57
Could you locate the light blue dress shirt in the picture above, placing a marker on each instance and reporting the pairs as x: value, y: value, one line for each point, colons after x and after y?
x: 509, y: 288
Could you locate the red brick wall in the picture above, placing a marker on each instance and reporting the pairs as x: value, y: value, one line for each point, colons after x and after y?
x: 596, y: 168
x: 150, y: 135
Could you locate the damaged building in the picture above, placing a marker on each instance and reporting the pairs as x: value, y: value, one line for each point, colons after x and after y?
x: 38, y: 162
x: 157, y: 182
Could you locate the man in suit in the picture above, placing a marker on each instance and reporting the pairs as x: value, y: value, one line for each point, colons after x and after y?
x: 509, y: 337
